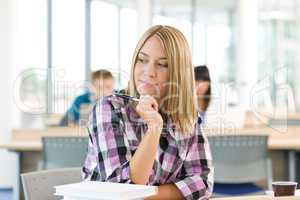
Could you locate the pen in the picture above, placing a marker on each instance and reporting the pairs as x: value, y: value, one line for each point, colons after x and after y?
x: 127, y: 97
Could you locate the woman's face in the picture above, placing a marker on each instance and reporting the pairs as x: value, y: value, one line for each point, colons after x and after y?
x: 102, y: 87
x: 201, y: 88
x: 151, y: 69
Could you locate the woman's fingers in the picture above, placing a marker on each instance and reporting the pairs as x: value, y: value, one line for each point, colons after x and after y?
x: 148, y: 102
x: 147, y: 108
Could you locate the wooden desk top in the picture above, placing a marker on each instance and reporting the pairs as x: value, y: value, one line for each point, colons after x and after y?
x: 23, y: 146
x: 279, y: 138
x: 288, y: 116
x: 30, y: 139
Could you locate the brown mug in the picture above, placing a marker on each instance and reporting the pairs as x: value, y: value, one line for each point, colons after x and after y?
x: 284, y: 188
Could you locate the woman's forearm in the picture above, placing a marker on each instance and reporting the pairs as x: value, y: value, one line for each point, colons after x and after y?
x: 142, y: 162
x: 166, y: 192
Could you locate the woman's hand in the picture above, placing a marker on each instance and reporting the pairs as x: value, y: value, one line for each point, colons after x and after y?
x: 140, y: 168
x: 147, y: 108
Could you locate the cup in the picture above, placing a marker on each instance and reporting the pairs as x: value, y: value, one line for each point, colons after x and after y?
x: 284, y: 188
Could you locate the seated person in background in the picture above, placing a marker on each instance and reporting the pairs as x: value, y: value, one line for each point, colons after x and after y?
x: 203, y: 88
x: 102, y: 84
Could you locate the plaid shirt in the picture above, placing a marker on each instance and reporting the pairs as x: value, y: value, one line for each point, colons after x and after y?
x: 115, y: 131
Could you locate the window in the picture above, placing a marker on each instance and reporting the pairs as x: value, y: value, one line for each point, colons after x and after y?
x: 68, y: 52
x: 277, y: 45
x: 30, y: 56
x: 128, y: 42
x: 113, y: 40
x: 104, y: 36
x: 200, y: 44
x: 211, y: 41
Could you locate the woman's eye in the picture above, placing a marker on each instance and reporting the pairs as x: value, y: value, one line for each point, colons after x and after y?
x: 163, y: 65
x: 141, y: 60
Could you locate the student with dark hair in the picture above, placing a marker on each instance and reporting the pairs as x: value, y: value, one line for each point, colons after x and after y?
x: 203, y: 88
x: 102, y: 84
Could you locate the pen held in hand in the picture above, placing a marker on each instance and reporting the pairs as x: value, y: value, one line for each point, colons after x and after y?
x: 127, y: 97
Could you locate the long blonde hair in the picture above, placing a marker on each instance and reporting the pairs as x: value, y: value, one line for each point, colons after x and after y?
x: 181, y: 95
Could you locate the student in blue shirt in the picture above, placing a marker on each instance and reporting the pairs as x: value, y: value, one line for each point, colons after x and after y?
x: 102, y: 84
x: 203, y: 88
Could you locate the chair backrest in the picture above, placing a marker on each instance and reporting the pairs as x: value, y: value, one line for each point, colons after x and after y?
x: 39, y: 185
x: 61, y: 152
x: 241, y: 158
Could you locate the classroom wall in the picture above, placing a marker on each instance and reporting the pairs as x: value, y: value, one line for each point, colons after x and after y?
x: 8, y: 161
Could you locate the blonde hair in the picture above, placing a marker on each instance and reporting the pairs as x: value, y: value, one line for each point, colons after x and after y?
x: 101, y: 74
x: 181, y: 76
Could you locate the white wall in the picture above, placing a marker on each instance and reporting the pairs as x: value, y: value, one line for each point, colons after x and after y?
x: 8, y: 162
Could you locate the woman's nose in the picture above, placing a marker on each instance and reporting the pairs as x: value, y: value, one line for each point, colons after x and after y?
x: 150, y: 70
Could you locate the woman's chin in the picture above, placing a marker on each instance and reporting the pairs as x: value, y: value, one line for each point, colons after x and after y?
x: 148, y: 92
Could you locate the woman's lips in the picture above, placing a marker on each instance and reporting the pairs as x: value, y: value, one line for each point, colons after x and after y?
x: 146, y: 87
x: 148, y: 84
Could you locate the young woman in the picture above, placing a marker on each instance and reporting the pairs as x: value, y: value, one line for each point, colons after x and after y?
x: 157, y: 141
x: 203, y: 88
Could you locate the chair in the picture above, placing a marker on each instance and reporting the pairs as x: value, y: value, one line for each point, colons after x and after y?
x: 61, y: 152
x: 39, y: 185
x: 240, y: 161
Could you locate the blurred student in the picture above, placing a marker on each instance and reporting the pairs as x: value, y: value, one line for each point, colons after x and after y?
x: 203, y: 88
x: 102, y: 84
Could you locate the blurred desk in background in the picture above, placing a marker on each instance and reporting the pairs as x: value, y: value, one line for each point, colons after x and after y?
x: 30, y: 139
x: 264, y: 118
x: 27, y: 144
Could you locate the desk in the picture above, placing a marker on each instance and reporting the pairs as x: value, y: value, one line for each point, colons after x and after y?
x: 23, y: 140
x: 27, y: 144
x: 30, y: 139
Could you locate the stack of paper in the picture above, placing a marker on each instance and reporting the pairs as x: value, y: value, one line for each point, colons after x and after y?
x: 95, y: 190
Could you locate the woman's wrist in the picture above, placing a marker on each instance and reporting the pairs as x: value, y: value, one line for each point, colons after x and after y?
x: 155, y: 127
